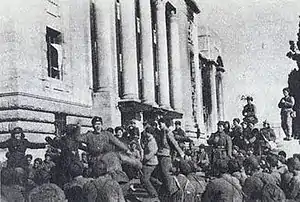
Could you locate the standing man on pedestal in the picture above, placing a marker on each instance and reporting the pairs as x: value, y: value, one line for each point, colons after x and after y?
x: 286, y: 105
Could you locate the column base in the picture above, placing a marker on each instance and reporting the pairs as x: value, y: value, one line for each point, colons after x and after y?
x: 133, y: 97
x: 151, y: 103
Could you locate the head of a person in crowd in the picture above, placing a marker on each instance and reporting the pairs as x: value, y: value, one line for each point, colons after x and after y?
x: 272, y: 161
x: 72, y: 130
x: 97, y: 123
x: 220, y: 126
x: 149, y: 131
x: 17, y: 133
x: 249, y: 99
x: 191, y: 146
x: 221, y: 166
x: 250, y: 151
x: 154, y: 124
x: 132, y: 124
x: 84, y: 157
x: 286, y: 92
x: 282, y: 156
x: 293, y: 164
x: 201, y: 148
x: 250, y: 125
x: 133, y: 145
x: 47, y: 193
x: 236, y: 122
x: 164, y: 123
x: 226, y: 126
x: 177, y: 124
x: 234, y: 166
x: 119, y: 132
x: 244, y: 125
x: 7, y: 176
x: 185, y: 167
x: 37, y: 163
x: 235, y: 150
x: 296, y: 156
x: 99, y: 169
x: 266, y: 124
x: 76, y: 168
x: 110, y: 129
x: 28, y: 158
x: 251, y: 165
x: 255, y: 132
x: 47, y: 158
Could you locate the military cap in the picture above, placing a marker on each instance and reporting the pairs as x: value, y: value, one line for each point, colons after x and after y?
x: 220, y: 123
x: 96, y: 119
x: 252, y: 162
x: 178, y: 123
x: 17, y: 130
x: 202, y: 146
x: 76, y: 168
x: 249, y: 98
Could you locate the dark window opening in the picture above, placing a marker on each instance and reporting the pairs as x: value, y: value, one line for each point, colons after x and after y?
x: 94, y: 47
x: 138, y: 48
x: 154, y: 43
x: 119, y: 48
x: 54, y: 53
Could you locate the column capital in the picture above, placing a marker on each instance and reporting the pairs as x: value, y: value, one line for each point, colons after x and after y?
x: 173, y: 15
x: 159, y: 3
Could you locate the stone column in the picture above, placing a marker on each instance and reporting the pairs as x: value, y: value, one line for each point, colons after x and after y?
x: 220, y: 95
x: 147, y: 53
x: 162, y: 55
x: 104, y: 10
x: 198, y: 75
x: 175, y: 71
x: 213, y: 90
x: 128, y: 27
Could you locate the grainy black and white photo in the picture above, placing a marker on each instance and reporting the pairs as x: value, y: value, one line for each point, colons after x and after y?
x: 150, y: 101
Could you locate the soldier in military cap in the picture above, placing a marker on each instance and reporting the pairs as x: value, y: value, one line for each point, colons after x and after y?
x: 221, y: 144
x: 17, y: 145
x: 98, y: 141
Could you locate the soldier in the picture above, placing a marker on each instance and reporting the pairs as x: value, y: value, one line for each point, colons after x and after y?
x: 150, y: 160
x: 286, y: 105
x: 249, y: 112
x: 74, y: 189
x: 17, y: 145
x: 236, y: 133
x: 180, y: 135
x: 293, y: 192
x: 225, y: 188
x: 259, y: 184
x: 221, y: 144
x: 98, y: 141
x: 103, y: 188
x: 165, y: 141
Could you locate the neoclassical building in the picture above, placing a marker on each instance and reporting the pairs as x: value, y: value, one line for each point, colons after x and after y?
x: 64, y: 61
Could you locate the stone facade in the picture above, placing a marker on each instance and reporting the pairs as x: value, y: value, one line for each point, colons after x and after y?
x: 66, y: 61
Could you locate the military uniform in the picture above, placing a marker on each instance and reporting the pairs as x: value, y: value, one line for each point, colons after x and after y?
x: 249, y: 114
x: 224, y: 189
x: 17, y: 148
x: 221, y: 145
x: 104, y: 188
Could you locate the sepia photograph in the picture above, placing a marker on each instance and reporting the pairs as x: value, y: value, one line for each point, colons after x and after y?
x: 150, y: 101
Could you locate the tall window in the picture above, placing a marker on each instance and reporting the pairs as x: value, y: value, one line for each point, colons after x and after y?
x: 154, y: 43
x: 54, y: 53
x: 94, y: 46
x: 138, y: 48
x: 119, y: 47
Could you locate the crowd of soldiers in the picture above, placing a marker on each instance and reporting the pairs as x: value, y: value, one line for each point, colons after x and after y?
x: 238, y: 164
